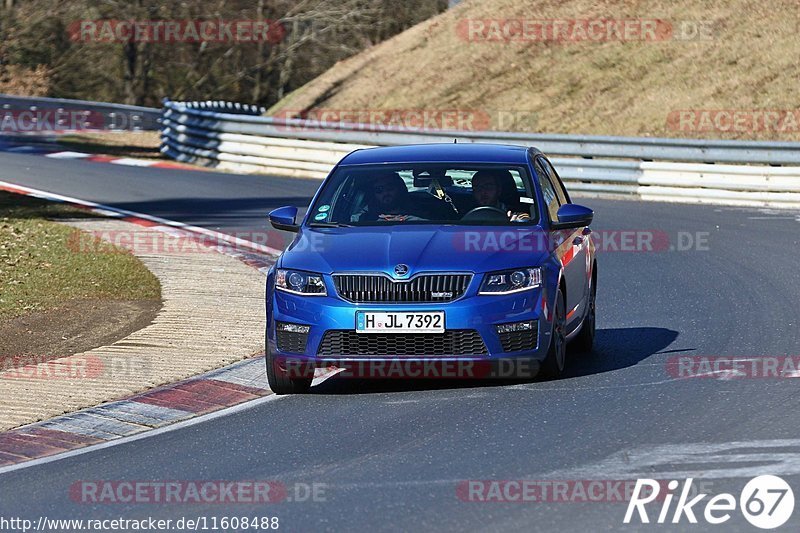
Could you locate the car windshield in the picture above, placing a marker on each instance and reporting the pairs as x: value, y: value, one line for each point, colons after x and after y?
x: 372, y: 195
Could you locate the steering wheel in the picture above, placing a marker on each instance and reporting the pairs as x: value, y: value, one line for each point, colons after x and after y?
x: 486, y: 213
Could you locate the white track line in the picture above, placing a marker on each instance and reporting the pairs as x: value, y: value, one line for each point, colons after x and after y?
x: 67, y: 155
x: 194, y: 229
x: 146, y: 434
x: 172, y: 427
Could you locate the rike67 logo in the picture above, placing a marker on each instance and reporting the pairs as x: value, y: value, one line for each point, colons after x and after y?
x: 767, y: 502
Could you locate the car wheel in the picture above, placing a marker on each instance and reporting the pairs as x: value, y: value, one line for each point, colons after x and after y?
x: 280, y: 383
x: 554, y: 363
x: 584, y: 341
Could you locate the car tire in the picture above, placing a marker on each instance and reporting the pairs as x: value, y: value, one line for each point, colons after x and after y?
x: 280, y: 383
x: 555, y: 361
x: 584, y: 341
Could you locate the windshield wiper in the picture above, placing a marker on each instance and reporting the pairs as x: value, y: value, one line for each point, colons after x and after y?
x: 329, y: 225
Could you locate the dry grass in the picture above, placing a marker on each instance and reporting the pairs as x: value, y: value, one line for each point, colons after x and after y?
x: 614, y: 88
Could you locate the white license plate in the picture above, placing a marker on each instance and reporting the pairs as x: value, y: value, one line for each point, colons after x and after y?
x: 400, y: 322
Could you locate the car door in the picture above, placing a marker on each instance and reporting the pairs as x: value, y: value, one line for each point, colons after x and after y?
x: 570, y: 243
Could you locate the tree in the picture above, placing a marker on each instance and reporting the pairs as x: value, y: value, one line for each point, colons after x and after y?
x: 307, y: 37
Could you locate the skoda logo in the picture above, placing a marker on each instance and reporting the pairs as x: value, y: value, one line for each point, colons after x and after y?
x: 401, y: 270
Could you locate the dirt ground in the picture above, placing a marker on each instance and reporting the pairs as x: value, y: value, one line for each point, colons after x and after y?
x: 57, y: 298
x: 75, y: 327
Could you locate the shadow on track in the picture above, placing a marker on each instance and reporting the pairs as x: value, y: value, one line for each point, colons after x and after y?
x: 620, y: 348
x: 614, y: 349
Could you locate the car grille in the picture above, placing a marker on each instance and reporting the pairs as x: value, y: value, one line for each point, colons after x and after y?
x: 366, y: 288
x: 451, y: 342
x: 290, y: 341
x: 517, y: 341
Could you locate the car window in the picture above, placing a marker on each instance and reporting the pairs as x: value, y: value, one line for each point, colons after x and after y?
x: 551, y: 199
x: 563, y: 196
x: 426, y: 193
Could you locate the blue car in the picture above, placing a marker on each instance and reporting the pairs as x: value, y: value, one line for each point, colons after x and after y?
x: 465, y: 256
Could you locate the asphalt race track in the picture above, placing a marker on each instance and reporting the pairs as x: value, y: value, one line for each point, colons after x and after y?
x: 392, y: 453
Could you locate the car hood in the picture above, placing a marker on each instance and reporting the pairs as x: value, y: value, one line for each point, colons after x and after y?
x: 448, y: 248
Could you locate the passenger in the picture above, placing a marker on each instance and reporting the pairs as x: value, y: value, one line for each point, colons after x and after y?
x: 488, y: 191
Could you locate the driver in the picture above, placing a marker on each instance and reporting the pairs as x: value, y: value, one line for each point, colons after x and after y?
x: 486, y: 190
x: 387, y: 199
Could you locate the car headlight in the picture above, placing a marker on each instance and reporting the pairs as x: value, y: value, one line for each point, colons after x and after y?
x: 299, y: 282
x: 510, y: 281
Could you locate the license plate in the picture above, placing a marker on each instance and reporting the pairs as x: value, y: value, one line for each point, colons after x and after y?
x: 400, y: 322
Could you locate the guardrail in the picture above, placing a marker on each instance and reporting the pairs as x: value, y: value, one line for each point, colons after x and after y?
x: 664, y: 169
x: 35, y: 115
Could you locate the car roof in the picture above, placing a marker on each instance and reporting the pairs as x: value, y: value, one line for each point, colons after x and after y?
x: 440, y: 153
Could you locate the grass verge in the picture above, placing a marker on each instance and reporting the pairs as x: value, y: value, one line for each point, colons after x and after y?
x: 41, y: 268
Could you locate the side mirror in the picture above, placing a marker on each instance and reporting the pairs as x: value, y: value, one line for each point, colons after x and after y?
x: 573, y: 216
x: 283, y: 218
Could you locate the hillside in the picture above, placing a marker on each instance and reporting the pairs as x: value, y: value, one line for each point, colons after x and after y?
x: 731, y: 67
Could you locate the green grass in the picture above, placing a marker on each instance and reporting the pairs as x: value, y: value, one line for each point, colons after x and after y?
x: 41, y: 266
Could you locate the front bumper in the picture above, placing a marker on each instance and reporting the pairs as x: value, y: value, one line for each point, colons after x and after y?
x: 472, y: 312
